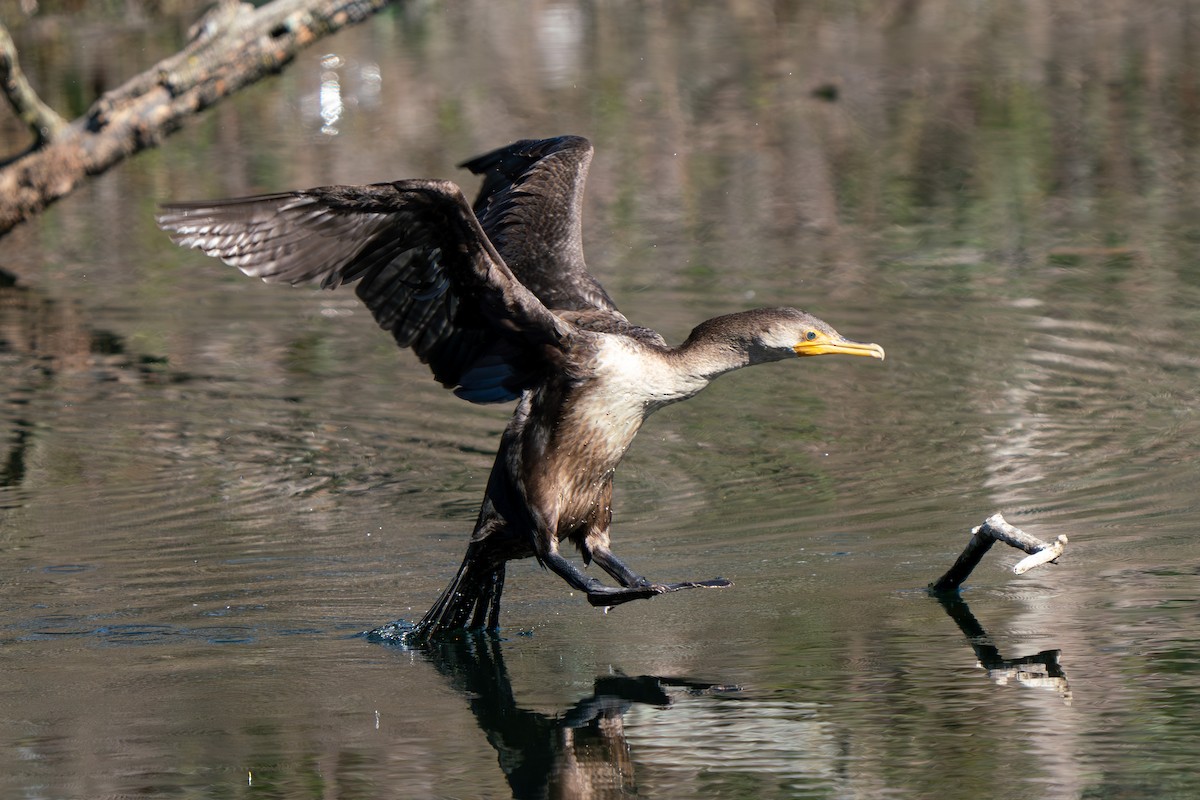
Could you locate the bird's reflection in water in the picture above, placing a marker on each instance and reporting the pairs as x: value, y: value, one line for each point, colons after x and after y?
x: 579, y: 753
x: 582, y: 751
x: 1041, y: 670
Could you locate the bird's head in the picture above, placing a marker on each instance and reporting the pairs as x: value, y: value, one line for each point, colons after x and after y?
x: 784, y: 332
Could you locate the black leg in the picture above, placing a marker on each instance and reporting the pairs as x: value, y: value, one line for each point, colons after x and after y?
x: 608, y: 561
x: 614, y: 566
x: 597, y: 593
x: 600, y: 595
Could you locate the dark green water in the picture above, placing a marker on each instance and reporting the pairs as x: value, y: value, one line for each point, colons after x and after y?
x: 208, y: 486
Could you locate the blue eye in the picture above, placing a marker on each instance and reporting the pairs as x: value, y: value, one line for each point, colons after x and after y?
x: 811, y: 335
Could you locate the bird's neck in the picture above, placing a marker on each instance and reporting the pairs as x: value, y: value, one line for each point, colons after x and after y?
x: 714, y: 348
x: 707, y: 360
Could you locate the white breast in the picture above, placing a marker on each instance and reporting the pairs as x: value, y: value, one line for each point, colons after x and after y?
x: 628, y: 383
x: 622, y: 385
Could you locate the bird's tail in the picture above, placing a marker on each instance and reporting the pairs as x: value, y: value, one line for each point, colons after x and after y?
x: 470, y: 602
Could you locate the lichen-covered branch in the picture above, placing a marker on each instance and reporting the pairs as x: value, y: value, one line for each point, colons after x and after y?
x: 40, y: 118
x: 232, y: 46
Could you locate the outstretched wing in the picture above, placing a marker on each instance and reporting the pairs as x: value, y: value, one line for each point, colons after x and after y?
x: 424, y: 267
x: 530, y: 206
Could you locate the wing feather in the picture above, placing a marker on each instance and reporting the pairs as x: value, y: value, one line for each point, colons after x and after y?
x: 531, y: 207
x: 422, y: 263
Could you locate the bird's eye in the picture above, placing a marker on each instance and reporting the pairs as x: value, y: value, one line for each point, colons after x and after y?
x: 810, y: 335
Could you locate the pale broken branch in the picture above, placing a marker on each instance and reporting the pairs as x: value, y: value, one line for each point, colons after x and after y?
x: 233, y: 46
x: 1047, y: 554
x: 996, y: 529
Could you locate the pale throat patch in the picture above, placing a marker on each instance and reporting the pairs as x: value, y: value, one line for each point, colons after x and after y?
x: 630, y: 383
x: 642, y: 377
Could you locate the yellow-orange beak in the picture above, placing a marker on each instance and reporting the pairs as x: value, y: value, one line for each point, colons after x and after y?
x: 823, y: 344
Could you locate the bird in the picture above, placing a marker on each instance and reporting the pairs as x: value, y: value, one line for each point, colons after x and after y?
x: 496, y: 298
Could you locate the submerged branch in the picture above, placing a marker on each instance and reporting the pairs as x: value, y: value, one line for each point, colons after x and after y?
x: 996, y: 529
x: 232, y: 46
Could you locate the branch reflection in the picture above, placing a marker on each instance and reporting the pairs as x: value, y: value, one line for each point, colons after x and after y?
x: 43, y: 339
x: 1041, y: 670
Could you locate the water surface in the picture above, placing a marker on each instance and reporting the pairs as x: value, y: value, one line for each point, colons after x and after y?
x: 209, y: 486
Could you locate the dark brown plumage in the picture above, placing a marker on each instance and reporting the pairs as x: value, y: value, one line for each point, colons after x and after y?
x: 497, y: 299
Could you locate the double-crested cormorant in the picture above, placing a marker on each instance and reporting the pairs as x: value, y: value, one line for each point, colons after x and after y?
x: 496, y: 298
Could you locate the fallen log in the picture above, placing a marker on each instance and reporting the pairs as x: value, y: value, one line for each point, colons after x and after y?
x: 996, y: 529
x: 232, y: 46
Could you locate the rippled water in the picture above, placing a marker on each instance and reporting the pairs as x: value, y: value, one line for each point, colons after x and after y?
x: 209, y: 487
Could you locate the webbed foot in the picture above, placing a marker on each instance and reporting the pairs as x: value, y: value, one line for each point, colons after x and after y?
x: 599, y: 595
x: 715, y: 583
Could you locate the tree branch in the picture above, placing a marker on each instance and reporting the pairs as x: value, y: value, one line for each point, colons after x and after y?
x: 232, y: 46
x: 45, y: 123
x: 996, y: 529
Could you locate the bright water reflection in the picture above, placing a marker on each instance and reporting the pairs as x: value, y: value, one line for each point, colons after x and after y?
x: 209, y: 486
